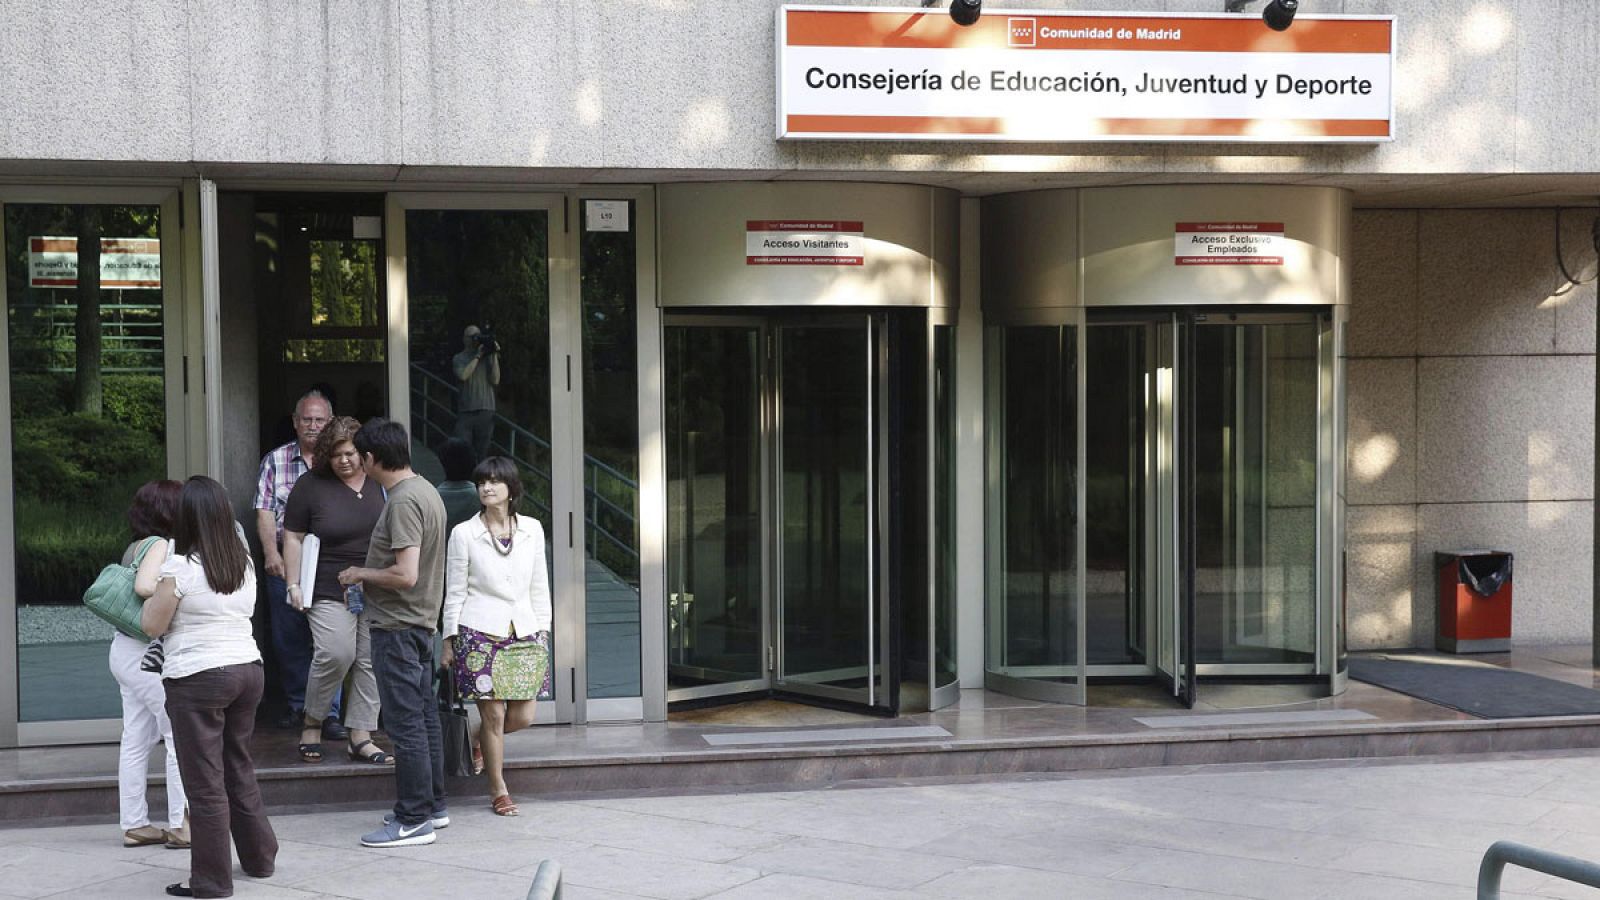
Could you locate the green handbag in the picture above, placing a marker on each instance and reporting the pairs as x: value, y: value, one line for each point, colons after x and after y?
x: 111, y: 597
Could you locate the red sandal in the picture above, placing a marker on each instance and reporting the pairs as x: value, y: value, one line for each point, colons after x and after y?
x: 503, y: 805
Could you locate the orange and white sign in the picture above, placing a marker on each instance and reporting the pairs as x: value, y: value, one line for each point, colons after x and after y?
x: 804, y: 242
x: 899, y: 74
x: 125, y: 263
x: 1228, y: 244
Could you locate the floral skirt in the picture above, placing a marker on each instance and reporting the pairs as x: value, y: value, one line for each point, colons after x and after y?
x: 502, y: 668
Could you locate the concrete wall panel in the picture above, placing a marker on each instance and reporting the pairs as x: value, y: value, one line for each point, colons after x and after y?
x: 286, y: 81
x: 1554, y: 544
x: 1381, y: 417
x: 680, y: 85
x: 1575, y: 305
x: 1379, y: 564
x: 1486, y: 278
x: 1383, y: 273
x: 103, y: 81
x: 1505, y: 428
x: 1557, y: 85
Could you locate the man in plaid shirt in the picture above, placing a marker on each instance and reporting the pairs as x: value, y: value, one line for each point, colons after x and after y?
x: 291, y: 633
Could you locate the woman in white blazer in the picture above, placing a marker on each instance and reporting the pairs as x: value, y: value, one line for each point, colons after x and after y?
x: 497, y: 617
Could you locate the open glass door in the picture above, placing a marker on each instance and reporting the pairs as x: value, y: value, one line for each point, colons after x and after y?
x: 1238, y: 568
x: 473, y: 374
x: 831, y: 633
x: 1036, y: 543
x: 717, y: 622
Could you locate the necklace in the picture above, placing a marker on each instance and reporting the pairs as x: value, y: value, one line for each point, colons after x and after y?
x: 502, y: 542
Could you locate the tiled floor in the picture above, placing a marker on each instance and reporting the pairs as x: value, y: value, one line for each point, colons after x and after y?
x: 1341, y: 830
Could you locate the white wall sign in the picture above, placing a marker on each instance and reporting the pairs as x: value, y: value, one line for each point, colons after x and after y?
x: 605, y: 215
x: 899, y: 74
x: 125, y: 263
x: 803, y: 242
x: 1228, y: 244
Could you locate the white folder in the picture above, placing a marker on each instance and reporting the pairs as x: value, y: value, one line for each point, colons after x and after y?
x: 310, y: 548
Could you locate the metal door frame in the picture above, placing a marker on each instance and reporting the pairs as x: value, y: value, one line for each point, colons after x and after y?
x: 188, y: 448
x: 566, y: 421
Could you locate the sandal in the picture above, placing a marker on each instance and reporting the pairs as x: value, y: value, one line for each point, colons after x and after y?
x: 503, y: 805
x: 311, y: 753
x: 377, y: 757
x: 477, y: 761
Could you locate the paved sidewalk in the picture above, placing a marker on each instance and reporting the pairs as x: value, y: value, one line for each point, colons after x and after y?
x: 1356, y: 829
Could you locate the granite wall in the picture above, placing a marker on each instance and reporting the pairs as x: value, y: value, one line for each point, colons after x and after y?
x: 1471, y: 414
x: 597, y: 86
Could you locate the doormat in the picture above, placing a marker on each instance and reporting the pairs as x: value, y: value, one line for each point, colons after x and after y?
x: 1485, y: 691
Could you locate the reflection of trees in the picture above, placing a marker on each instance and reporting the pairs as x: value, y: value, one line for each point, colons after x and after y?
x: 86, y: 390
x: 87, y: 400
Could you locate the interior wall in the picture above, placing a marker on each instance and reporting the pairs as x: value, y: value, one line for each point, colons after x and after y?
x: 1471, y: 385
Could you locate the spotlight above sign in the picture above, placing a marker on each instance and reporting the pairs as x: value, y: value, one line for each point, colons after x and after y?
x: 1039, y: 76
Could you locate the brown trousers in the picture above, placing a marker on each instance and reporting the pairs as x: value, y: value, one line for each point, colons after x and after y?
x: 213, y: 714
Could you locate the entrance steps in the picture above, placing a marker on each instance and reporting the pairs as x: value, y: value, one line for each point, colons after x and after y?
x: 984, y: 735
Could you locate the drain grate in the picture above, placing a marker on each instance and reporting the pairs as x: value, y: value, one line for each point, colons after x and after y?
x: 1204, y: 720
x: 826, y: 735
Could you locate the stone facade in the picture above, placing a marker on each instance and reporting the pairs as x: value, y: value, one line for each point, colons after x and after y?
x: 1471, y: 414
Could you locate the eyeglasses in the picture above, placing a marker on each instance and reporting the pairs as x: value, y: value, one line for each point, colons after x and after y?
x: 312, y: 420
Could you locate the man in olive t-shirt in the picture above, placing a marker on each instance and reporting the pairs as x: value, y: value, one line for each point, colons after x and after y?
x: 404, y: 584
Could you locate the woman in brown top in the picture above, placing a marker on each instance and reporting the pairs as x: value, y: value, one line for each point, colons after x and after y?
x: 340, y: 505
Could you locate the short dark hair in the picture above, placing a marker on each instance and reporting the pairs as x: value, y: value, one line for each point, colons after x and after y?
x: 387, y: 441
x: 458, y: 458
x: 503, y: 470
x: 206, y: 529
x: 155, y: 509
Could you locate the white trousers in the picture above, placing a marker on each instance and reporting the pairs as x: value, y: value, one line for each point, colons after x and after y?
x: 144, y: 723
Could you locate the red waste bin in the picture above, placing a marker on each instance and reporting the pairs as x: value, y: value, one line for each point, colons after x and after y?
x: 1474, y: 601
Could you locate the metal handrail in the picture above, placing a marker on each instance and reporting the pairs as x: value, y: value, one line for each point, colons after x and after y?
x: 546, y: 881
x: 1503, y: 853
x: 594, y: 497
x: 121, y: 337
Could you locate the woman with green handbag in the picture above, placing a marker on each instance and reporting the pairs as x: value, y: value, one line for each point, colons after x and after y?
x: 144, y: 716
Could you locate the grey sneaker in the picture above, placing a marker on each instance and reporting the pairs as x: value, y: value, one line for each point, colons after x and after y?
x: 439, y: 820
x: 395, y: 834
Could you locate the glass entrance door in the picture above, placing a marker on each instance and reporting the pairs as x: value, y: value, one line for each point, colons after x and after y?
x: 1243, y: 571
x: 716, y: 531
x: 1160, y: 498
x: 774, y: 565
x: 484, y: 369
x: 96, y: 402
x: 831, y: 633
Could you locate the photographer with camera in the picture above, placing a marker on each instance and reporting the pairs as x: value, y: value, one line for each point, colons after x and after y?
x: 477, y: 367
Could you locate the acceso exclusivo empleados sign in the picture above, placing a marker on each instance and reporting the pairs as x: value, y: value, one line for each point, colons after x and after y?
x: 898, y: 74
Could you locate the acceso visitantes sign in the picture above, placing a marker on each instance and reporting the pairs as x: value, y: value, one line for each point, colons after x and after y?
x: 899, y: 74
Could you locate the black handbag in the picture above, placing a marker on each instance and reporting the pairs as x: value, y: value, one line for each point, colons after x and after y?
x: 454, y: 726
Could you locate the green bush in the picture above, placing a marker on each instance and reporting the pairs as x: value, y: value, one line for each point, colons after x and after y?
x: 138, y: 401
x: 77, y: 459
x: 39, y: 394
x: 61, y: 547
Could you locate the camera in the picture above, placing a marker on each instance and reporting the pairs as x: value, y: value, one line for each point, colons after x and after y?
x: 486, y: 341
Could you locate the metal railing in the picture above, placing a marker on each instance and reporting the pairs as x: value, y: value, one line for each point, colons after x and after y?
x: 1503, y: 853
x: 131, y: 337
x: 609, y: 496
x: 546, y: 881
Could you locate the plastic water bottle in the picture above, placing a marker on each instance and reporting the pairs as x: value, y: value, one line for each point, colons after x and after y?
x: 355, y: 599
